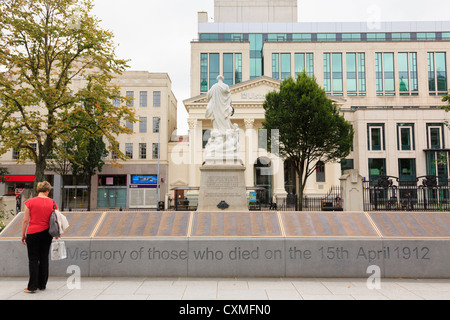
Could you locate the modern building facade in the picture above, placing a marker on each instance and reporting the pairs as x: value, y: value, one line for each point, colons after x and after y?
x: 133, y: 184
x: 388, y: 80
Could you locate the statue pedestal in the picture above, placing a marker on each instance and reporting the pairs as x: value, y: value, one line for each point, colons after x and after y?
x: 222, y: 186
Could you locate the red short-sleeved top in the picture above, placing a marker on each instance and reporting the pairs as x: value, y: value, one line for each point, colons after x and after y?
x: 40, y: 211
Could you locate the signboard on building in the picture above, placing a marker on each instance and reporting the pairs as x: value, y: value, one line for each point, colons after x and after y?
x: 144, y: 179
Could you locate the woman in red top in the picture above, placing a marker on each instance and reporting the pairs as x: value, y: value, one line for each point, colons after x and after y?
x: 35, y: 236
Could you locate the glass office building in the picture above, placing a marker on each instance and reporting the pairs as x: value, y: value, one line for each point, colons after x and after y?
x: 388, y: 82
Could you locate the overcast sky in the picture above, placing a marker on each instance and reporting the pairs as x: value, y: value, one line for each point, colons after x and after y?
x: 156, y: 35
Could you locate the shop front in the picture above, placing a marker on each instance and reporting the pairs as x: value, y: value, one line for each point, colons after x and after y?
x: 112, y: 192
x: 144, y: 191
x: 18, y: 182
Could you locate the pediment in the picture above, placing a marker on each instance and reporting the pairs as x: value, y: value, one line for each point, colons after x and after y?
x: 179, y: 183
x: 252, y: 91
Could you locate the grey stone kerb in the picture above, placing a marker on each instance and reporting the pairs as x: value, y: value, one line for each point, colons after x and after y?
x: 212, y: 249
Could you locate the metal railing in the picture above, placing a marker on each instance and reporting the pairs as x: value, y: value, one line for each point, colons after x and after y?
x: 332, y: 201
x: 425, y: 193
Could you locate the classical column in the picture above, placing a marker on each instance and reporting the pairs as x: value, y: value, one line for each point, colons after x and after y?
x: 278, y: 177
x: 192, y: 151
x: 250, y: 144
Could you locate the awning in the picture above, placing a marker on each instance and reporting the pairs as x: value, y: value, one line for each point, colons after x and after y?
x: 19, y: 178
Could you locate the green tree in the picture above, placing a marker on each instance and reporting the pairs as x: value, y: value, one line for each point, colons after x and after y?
x: 446, y: 99
x: 4, y: 214
x: 59, y: 162
x: 446, y: 107
x: 3, y: 173
x: 309, y: 124
x: 442, y: 156
x: 88, y: 160
x: 47, y: 45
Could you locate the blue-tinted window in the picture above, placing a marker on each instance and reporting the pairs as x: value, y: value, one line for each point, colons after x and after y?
x: 333, y: 73
x: 407, y: 170
x: 209, y: 37
x: 327, y: 71
x: 238, y: 68
x: 326, y: 37
x: 426, y: 36
x: 299, y: 63
x: 403, y: 72
x: 376, y: 37
x: 441, y: 71
x: 204, y: 72
x: 389, y: 77
x: 385, y: 76
x: 277, y: 37
x: 407, y: 73
x: 337, y: 72
x: 276, y: 66
x: 375, y: 137
x: 437, y: 73
x: 228, y: 70
x: 301, y: 37
x: 256, y: 46
x: 214, y: 68
x: 401, y: 36
x: 352, y: 78
x: 379, y: 71
x: 435, y: 136
x: 377, y: 168
x: 285, y: 65
x: 351, y: 37
x: 310, y: 64
x: 362, y: 73
x: 405, y: 136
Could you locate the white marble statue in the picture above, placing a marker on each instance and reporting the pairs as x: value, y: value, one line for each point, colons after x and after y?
x: 224, y: 141
x: 219, y: 108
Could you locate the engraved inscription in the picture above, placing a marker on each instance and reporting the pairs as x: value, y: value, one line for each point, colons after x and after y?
x: 219, y: 186
x: 222, y: 182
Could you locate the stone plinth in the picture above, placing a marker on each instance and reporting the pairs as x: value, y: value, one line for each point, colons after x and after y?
x: 244, y: 244
x: 352, y: 190
x: 222, y: 187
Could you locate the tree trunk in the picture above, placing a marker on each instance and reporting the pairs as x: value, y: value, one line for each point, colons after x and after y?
x: 63, y: 193
x: 89, y: 192
x: 300, y: 194
x: 301, y: 183
x: 39, y: 175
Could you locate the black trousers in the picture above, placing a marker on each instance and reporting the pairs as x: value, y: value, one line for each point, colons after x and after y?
x: 38, y: 245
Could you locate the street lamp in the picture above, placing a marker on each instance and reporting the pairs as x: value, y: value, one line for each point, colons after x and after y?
x: 159, y: 156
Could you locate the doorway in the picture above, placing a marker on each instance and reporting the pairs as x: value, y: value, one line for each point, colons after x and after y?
x: 263, y: 179
x: 75, y: 198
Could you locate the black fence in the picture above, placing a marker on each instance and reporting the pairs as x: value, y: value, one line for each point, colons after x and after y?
x: 332, y: 201
x: 426, y: 193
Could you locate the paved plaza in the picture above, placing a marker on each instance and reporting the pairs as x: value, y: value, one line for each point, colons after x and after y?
x: 142, y: 288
